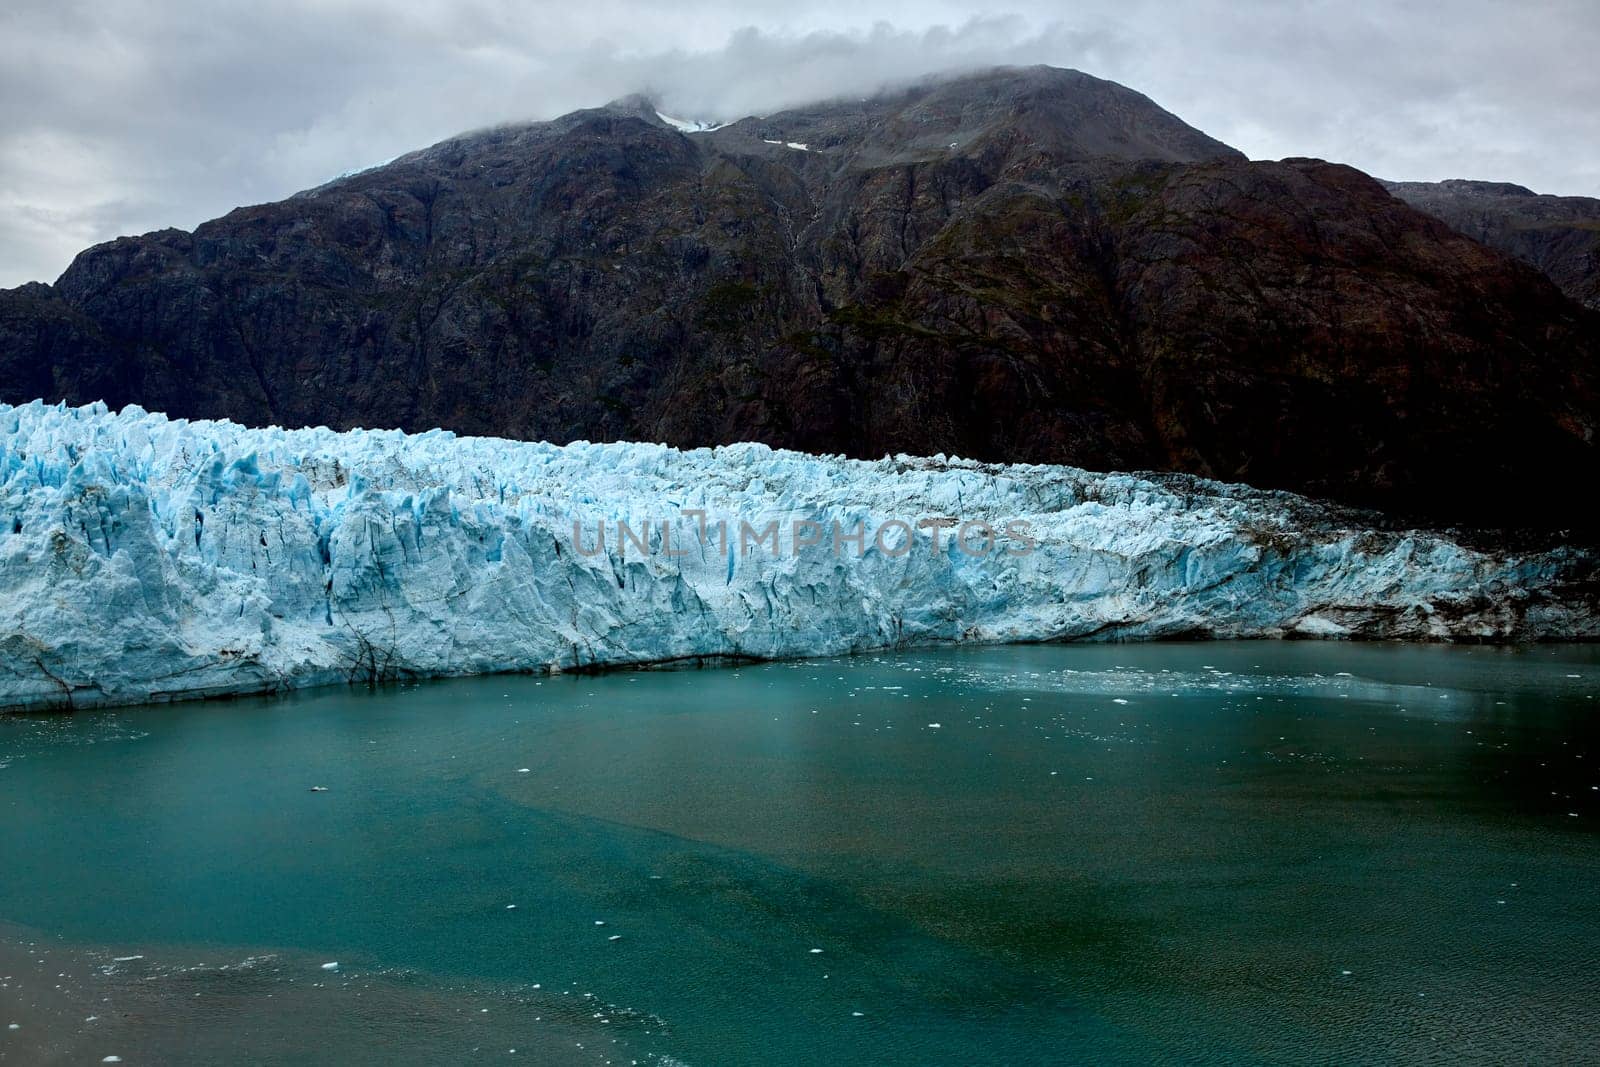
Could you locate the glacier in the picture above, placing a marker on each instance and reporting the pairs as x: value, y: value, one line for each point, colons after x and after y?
x: 144, y: 558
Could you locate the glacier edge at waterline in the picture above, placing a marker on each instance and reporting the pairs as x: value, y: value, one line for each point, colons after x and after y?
x: 145, y: 559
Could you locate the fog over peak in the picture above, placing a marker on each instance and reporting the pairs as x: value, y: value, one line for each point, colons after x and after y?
x: 126, y: 118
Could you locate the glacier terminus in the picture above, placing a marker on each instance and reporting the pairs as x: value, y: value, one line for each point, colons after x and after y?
x: 144, y: 558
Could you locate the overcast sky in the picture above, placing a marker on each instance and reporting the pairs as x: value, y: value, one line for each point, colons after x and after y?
x: 126, y: 116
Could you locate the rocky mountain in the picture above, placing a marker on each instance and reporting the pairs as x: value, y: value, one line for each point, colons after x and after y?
x: 1021, y: 265
x: 1558, y: 234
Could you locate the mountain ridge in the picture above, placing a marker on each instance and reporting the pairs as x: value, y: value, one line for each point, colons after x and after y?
x: 1560, y: 235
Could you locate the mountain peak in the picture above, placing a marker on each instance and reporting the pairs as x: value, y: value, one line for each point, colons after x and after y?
x: 1064, y: 111
x: 632, y: 104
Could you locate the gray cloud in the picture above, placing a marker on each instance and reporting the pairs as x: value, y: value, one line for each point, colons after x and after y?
x: 124, y: 118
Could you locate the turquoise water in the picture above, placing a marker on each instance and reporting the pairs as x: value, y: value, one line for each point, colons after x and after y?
x: 1190, y: 853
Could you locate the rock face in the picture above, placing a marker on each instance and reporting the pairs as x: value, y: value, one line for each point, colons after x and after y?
x: 146, y: 559
x: 1025, y: 265
x: 1558, y: 234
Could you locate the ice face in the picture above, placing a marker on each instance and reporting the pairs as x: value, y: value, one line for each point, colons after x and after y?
x: 144, y: 558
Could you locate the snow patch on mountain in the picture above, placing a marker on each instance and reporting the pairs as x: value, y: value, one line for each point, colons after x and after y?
x: 690, y: 125
x: 146, y: 558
